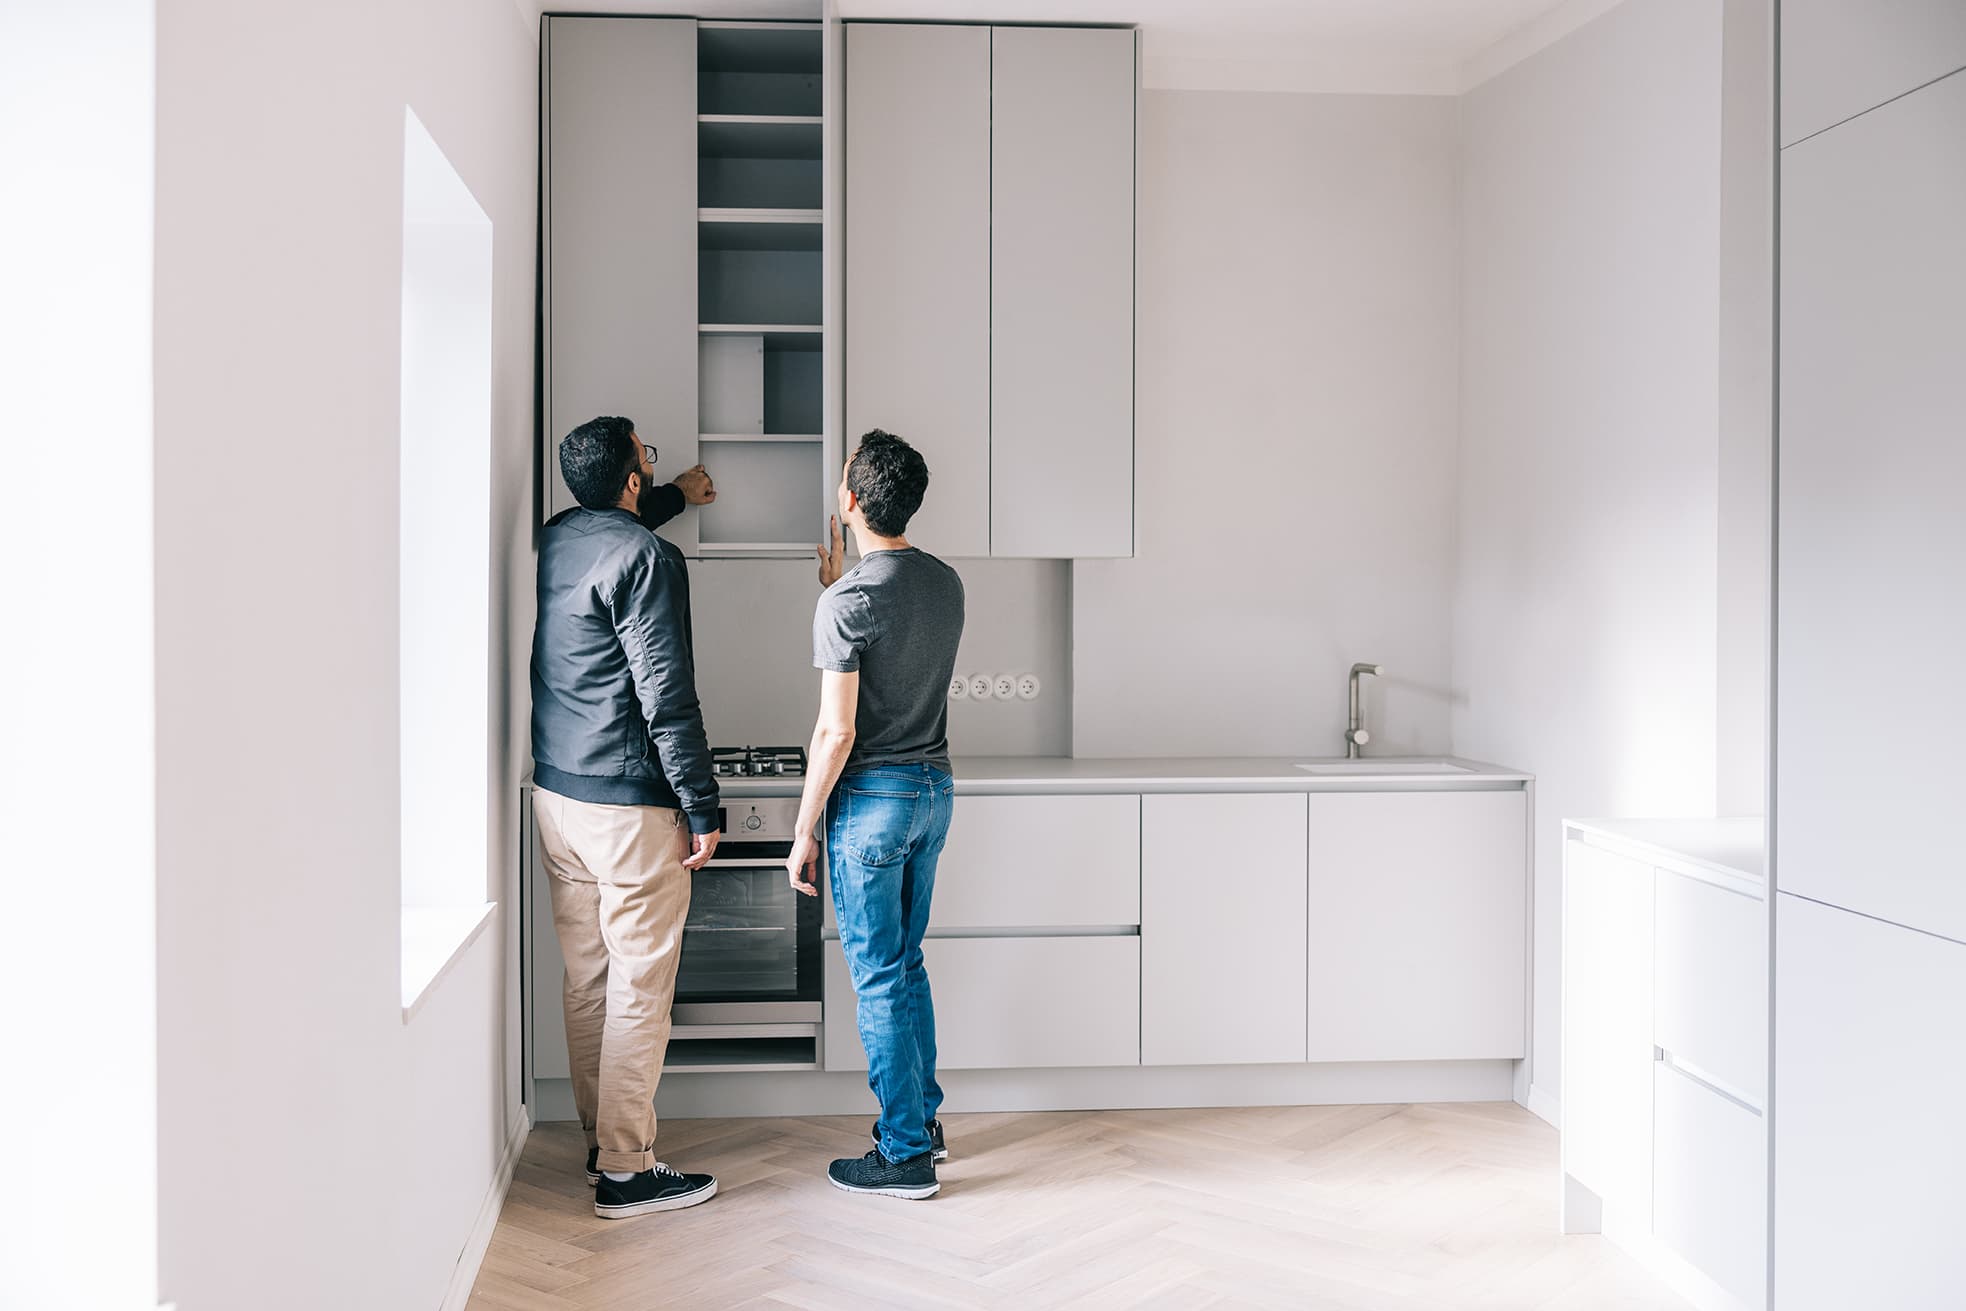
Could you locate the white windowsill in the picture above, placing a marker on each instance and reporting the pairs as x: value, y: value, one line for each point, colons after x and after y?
x: 434, y: 939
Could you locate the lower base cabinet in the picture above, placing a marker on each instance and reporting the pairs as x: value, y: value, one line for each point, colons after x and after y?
x: 1710, y: 1182
x: 1012, y: 1003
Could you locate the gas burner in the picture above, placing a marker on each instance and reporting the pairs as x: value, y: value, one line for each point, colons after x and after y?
x: 758, y: 762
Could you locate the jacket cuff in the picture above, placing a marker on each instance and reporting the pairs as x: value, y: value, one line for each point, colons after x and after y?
x: 702, y: 821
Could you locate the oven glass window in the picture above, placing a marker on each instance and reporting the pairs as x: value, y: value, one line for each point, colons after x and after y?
x: 741, y: 940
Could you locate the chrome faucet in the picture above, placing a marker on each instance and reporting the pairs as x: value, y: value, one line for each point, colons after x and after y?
x: 1355, y: 734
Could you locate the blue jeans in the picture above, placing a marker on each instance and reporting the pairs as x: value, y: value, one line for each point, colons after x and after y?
x: 885, y: 827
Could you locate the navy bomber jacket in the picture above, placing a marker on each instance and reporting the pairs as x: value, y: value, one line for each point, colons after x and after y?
x: 615, y: 718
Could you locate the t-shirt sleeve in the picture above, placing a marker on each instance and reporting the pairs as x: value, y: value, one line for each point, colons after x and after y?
x: 841, y: 630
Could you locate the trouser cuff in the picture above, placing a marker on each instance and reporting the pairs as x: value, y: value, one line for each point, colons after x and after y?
x: 626, y: 1162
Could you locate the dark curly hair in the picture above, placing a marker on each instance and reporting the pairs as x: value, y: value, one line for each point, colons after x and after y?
x: 888, y: 476
x: 596, y: 459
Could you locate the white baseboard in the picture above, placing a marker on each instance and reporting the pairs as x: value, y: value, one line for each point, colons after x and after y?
x: 1544, y: 1106
x: 475, y: 1247
x: 696, y: 1096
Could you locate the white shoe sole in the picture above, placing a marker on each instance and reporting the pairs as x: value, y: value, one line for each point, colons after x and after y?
x: 911, y: 1193
x: 649, y: 1208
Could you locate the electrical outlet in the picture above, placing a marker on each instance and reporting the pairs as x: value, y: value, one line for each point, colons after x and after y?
x: 959, y: 688
x: 981, y: 687
x: 1003, y: 687
x: 1028, y: 687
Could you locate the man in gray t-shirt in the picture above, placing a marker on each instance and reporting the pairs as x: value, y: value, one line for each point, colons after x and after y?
x: 885, y: 636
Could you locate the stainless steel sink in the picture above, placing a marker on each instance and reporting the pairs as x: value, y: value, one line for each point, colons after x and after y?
x: 1430, y: 765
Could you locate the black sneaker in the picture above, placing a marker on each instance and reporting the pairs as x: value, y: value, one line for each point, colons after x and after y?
x: 593, y: 1166
x: 875, y: 1174
x: 936, y: 1147
x: 660, y: 1189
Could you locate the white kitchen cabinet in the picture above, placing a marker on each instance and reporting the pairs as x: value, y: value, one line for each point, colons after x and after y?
x: 1665, y: 1050
x: 1012, y: 1003
x: 1840, y: 59
x: 1710, y: 1182
x: 1869, y: 1141
x: 1061, y: 291
x: 989, y: 277
x: 1607, y: 1037
x: 1710, y: 985
x: 1222, y: 943
x: 621, y: 276
x: 1418, y: 920
x: 918, y: 262
x: 1873, y: 544
x: 1040, y: 862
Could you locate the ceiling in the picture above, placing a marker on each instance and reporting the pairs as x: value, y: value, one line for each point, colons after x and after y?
x: 1420, y: 47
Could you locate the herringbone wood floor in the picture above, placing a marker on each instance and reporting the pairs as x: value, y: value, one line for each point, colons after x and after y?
x: 1401, y: 1208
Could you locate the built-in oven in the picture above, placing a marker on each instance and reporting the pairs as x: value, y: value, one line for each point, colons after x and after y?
x: 751, y: 943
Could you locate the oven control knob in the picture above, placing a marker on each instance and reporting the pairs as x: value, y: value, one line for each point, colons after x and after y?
x: 753, y: 823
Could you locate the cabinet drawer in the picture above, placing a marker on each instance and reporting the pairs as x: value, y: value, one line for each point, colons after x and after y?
x: 1039, y: 862
x: 1710, y: 1183
x: 1711, y: 982
x: 1012, y: 1003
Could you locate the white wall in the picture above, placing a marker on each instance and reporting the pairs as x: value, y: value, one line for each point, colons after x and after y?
x: 1295, y: 421
x: 284, y: 1055
x: 78, y: 964
x: 1584, y: 615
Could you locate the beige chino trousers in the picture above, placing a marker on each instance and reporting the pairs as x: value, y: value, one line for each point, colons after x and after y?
x: 620, y: 895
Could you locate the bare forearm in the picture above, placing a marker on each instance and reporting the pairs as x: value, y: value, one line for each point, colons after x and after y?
x: 825, y: 760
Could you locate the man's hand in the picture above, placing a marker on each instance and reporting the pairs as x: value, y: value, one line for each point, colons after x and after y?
x: 702, y: 846
x: 802, y: 866
x: 696, y: 485
x: 832, y: 561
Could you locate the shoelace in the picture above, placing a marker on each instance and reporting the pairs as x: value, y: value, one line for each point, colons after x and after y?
x: 662, y: 1167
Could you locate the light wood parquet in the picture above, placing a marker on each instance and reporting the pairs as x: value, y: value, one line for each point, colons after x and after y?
x: 1313, y: 1208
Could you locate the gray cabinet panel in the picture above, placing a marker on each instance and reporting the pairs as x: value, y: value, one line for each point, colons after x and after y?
x: 1061, y: 292
x: 1870, y: 1073
x: 1222, y: 942
x: 621, y: 240
x: 1842, y: 57
x: 918, y: 263
x: 1418, y: 914
x: 1872, y: 548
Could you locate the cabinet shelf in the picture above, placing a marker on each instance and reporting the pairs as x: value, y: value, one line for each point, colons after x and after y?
x: 760, y: 437
x: 759, y: 229
x: 778, y: 336
x: 759, y: 136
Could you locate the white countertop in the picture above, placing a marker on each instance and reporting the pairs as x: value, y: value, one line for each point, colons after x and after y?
x: 1054, y: 775
x: 1726, y: 846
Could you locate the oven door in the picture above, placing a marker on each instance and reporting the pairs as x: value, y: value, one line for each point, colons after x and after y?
x: 750, y: 943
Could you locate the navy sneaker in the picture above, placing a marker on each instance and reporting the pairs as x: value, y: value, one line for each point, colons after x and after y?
x: 660, y: 1189
x: 937, y: 1149
x: 874, y: 1174
x: 593, y: 1166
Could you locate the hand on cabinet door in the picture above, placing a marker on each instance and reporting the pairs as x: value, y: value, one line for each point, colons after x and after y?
x: 698, y: 489
x: 832, y: 560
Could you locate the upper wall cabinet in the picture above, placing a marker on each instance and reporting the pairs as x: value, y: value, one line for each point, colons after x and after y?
x: 918, y: 262
x: 684, y: 255
x: 1061, y: 292
x: 621, y: 238
x: 989, y: 277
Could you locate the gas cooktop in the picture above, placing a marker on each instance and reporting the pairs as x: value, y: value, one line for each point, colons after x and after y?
x: 758, y: 762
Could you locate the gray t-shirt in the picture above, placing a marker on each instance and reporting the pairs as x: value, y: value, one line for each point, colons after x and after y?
x: 896, y: 618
